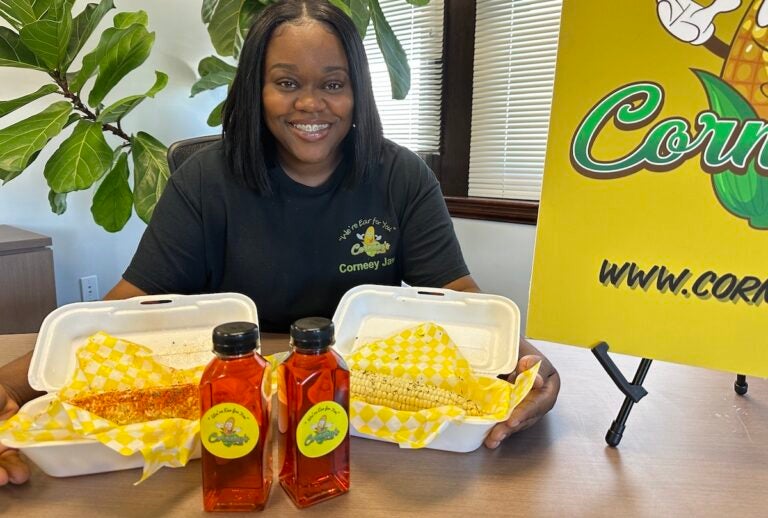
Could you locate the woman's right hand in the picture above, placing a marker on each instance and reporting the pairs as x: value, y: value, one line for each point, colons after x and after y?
x: 12, y: 468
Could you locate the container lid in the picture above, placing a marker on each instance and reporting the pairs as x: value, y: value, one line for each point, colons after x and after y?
x: 177, y: 327
x: 312, y: 333
x: 234, y: 338
x: 485, y: 328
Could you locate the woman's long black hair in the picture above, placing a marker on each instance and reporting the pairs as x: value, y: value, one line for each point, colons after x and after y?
x: 248, y: 144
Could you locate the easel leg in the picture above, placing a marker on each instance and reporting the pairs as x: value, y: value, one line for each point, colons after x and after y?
x: 616, y: 431
x: 741, y: 385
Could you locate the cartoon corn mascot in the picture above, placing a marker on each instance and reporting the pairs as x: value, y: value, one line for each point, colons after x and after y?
x: 746, y: 60
x: 745, y: 70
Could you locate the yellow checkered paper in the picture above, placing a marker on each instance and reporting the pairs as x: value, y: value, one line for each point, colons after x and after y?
x: 426, y: 353
x: 106, y: 363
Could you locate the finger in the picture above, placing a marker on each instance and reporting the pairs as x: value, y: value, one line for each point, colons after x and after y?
x: 12, y: 468
x: 497, y: 434
x: 538, y: 382
x: 664, y: 11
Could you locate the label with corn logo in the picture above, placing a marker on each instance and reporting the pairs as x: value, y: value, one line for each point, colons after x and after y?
x: 322, y: 429
x: 229, y: 431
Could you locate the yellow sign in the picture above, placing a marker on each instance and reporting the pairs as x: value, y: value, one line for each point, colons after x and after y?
x: 229, y: 431
x: 322, y: 429
x: 653, y: 225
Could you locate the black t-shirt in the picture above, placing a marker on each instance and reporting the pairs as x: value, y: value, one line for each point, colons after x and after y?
x: 297, y: 251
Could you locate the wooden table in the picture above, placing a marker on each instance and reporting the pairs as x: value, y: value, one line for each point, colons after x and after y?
x: 692, y: 448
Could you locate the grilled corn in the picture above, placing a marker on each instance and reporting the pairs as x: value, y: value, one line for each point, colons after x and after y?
x: 405, y: 394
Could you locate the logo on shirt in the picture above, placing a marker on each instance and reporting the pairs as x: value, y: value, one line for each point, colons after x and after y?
x: 371, y: 243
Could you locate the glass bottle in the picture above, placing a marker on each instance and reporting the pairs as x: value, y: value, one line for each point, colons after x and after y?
x: 313, y: 415
x: 235, y: 391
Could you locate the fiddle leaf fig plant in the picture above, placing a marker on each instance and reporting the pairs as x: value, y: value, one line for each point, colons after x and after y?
x: 228, y: 22
x: 46, y: 37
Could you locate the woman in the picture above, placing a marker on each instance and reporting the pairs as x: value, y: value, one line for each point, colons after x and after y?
x: 303, y: 200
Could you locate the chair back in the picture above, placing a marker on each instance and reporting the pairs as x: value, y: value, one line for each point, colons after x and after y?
x: 178, y: 152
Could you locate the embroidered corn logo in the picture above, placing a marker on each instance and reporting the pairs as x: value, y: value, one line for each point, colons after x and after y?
x: 371, y: 243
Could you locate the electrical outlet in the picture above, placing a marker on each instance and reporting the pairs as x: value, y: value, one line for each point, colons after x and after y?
x: 89, y: 288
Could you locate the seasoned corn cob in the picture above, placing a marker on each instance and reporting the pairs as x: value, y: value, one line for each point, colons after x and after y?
x: 405, y: 394
x: 746, y: 68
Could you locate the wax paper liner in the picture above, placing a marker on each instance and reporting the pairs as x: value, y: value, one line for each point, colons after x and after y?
x: 426, y: 353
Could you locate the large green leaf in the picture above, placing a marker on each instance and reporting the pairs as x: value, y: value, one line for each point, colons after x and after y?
x: 214, y: 119
x: 394, y: 55
x: 418, y: 3
x: 17, y: 12
x: 48, y: 38
x: 58, y: 202
x: 13, y: 53
x: 132, y: 44
x: 130, y: 51
x: 207, y: 10
x: 81, y: 159
x: 214, y: 73
x: 20, y: 142
x: 119, y: 109
x: 113, y: 201
x: 150, y: 173
x: 83, y: 26
x: 224, y: 25
x: 11, y: 105
x: 125, y: 20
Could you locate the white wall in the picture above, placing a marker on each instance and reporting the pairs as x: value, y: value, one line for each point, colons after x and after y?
x: 498, y: 254
x: 499, y: 257
x: 80, y: 246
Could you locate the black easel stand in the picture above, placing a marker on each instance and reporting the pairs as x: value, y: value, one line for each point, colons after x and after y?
x: 741, y: 385
x: 634, y: 391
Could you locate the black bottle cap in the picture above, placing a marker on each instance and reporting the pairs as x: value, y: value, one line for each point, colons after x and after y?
x: 312, y: 333
x: 234, y: 338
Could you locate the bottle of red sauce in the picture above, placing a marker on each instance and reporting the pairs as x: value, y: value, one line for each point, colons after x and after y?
x: 234, y: 424
x: 313, y: 415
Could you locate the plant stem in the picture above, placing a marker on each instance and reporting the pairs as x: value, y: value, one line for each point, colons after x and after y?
x: 80, y: 106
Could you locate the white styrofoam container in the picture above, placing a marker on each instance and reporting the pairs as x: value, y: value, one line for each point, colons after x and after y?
x: 484, y: 327
x: 178, y: 327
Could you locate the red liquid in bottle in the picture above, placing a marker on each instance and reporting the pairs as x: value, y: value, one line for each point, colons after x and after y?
x: 235, y: 423
x: 313, y: 416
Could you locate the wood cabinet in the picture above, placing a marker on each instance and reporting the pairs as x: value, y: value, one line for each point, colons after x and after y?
x: 27, y: 284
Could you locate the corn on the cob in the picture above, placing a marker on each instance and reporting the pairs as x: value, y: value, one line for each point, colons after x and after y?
x: 405, y: 394
x: 746, y: 68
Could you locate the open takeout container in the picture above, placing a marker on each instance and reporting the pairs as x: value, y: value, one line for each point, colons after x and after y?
x: 176, y: 327
x: 484, y: 327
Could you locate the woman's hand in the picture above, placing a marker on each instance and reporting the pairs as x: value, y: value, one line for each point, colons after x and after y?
x: 12, y: 467
x: 538, y: 402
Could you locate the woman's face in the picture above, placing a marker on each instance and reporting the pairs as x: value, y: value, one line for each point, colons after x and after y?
x: 307, y: 98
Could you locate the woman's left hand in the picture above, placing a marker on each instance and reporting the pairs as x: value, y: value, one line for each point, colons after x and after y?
x: 538, y: 402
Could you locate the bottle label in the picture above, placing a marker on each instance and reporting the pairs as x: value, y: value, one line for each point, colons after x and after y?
x: 229, y: 430
x: 322, y: 429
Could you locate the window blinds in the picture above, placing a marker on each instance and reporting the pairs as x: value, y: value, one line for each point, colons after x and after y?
x: 515, y: 52
x: 415, y: 121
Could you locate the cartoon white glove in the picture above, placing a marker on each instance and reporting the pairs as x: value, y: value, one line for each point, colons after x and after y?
x: 688, y: 21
